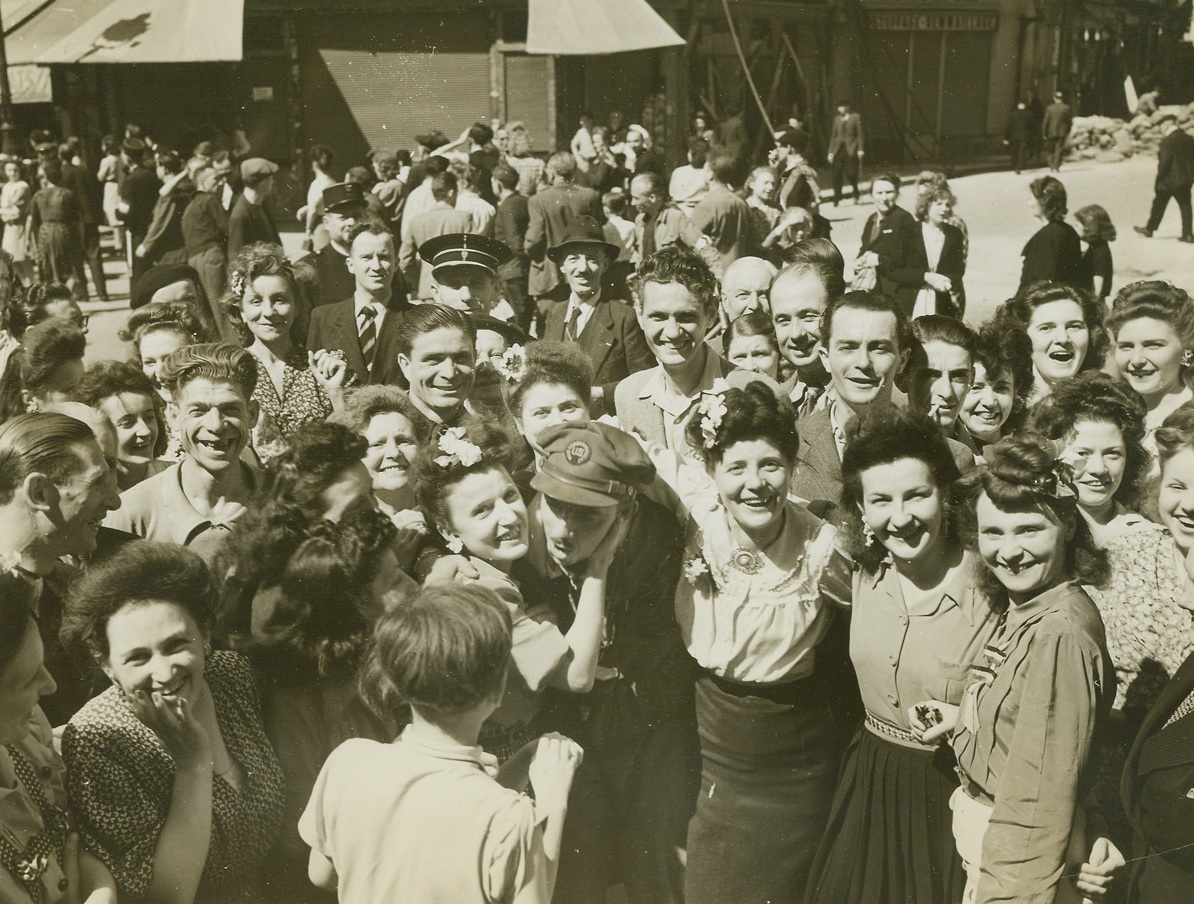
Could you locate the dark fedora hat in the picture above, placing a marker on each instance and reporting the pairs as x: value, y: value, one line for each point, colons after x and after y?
x: 584, y: 231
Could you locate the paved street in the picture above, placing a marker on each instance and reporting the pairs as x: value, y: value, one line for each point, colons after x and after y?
x: 995, y: 208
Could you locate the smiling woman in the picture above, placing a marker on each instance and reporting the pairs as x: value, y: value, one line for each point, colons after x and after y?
x: 169, y: 770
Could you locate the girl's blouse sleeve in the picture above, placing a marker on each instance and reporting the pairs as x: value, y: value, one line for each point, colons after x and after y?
x: 837, y: 574
x: 512, y: 853
x: 119, y: 817
x: 1024, y: 850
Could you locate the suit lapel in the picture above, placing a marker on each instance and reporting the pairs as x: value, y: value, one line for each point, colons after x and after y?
x: 597, y: 338
x: 554, y: 327
x: 385, y: 362
x: 1161, y: 747
x: 345, y: 338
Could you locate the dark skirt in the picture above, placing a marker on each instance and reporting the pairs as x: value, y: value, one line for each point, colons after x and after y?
x: 769, y: 757
x: 59, y: 254
x: 890, y: 837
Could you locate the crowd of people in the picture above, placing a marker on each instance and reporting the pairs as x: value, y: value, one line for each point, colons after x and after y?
x: 558, y: 526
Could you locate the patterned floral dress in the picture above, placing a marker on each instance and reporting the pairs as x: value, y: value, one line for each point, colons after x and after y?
x: 302, y: 402
x: 120, y: 783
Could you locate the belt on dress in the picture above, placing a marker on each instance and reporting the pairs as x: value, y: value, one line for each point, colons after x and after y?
x: 893, y: 731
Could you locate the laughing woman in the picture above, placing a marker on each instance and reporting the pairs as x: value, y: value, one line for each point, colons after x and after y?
x: 917, y: 623
x: 753, y: 609
x: 175, y: 785
x: 1042, y: 688
x: 1065, y: 326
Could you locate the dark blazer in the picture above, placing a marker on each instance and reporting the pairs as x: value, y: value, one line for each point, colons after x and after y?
x: 1158, y: 797
x: 1057, y: 121
x: 1054, y: 253
x: 952, y: 264
x: 334, y: 326
x: 1175, y: 161
x: 550, y: 211
x: 82, y: 181
x: 900, y: 248
x: 140, y: 191
x: 613, y: 341
x: 846, y: 134
x: 333, y: 282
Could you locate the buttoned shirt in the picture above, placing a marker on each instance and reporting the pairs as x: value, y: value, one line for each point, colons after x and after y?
x: 586, y: 309
x: 677, y: 407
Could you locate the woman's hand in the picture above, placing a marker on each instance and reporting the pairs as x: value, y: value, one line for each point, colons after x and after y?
x: 932, y: 720
x: 451, y: 568
x: 330, y: 371
x: 556, y: 760
x: 408, y: 541
x: 938, y: 282
x: 174, y: 722
x: 1099, y: 871
x: 603, y: 555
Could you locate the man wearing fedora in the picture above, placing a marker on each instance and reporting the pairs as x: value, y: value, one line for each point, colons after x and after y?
x: 249, y: 221
x: 364, y: 327
x: 462, y: 269
x: 604, y: 327
x: 343, y: 205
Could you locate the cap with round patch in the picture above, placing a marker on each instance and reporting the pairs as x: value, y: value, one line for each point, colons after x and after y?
x: 591, y: 464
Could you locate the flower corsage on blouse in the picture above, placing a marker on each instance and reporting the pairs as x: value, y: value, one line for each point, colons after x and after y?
x: 712, y: 411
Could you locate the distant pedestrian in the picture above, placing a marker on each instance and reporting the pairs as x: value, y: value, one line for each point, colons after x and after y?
x: 1054, y: 252
x: 722, y: 215
x: 1055, y: 129
x: 845, y: 149
x: 1019, y: 123
x: 57, y: 224
x: 1175, y: 173
x: 249, y: 220
x: 1097, y: 230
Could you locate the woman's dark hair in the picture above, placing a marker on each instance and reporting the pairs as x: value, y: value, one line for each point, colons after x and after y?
x: 1094, y: 396
x: 1003, y: 347
x: 753, y: 412
x: 38, y: 299
x: 17, y: 599
x: 446, y: 650
x: 1157, y: 300
x: 426, y: 318
x: 138, y: 572
x: 752, y: 323
x: 256, y: 260
x: 178, y: 317
x: 51, y: 168
x: 288, y: 502
x: 44, y: 348
x: 170, y: 160
x: 1020, y: 475
x: 433, y: 479
x: 1019, y: 310
x: 551, y: 361
x: 363, y: 404
x: 1175, y: 434
x: 105, y: 379
x: 881, y: 435
x: 1050, y: 194
x: 1096, y: 223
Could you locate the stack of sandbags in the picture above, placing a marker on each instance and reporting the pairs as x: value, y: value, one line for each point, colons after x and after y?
x: 1106, y: 139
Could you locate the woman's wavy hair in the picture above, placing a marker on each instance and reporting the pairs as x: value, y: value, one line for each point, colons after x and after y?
x: 178, y: 317
x: 752, y: 412
x: 881, y: 435
x: 1095, y: 396
x: 931, y: 194
x: 1175, y: 434
x: 1021, y: 475
x: 433, y: 479
x: 1019, y: 310
x: 1096, y: 223
x: 105, y: 379
x: 265, y: 259
x: 554, y: 362
x: 44, y: 348
x: 1051, y: 195
x: 1003, y: 346
x: 1156, y: 300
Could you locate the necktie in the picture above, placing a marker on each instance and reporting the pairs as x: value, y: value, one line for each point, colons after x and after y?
x: 367, y: 329
x: 1183, y: 710
x: 570, y: 331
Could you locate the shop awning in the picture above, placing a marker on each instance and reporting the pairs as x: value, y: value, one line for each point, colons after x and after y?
x: 123, y: 31
x: 586, y: 27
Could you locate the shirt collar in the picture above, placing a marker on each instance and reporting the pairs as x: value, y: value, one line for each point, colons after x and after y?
x: 473, y: 755
x: 1053, y: 598
x: 663, y: 392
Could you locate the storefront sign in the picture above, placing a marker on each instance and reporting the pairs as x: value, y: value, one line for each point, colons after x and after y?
x: 934, y: 21
x: 262, y: 94
x: 30, y: 84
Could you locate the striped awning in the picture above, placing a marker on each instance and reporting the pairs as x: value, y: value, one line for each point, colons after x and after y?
x: 122, y: 31
x: 586, y: 27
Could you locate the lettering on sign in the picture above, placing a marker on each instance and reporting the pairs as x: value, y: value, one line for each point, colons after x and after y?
x: 934, y: 21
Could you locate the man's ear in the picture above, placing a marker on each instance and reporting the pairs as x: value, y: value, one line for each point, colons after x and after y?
x: 823, y: 354
x: 40, y: 492
x: 254, y: 412
x: 904, y: 355
x: 404, y: 366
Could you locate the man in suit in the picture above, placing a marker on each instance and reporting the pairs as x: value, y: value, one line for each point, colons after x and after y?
x: 1175, y: 174
x: 604, y: 327
x: 551, y: 210
x: 441, y: 219
x: 510, y: 224
x: 1019, y: 121
x: 138, y: 196
x: 675, y: 299
x: 249, y: 220
x: 891, y: 242
x: 866, y: 341
x: 1158, y: 796
x: 1055, y: 129
x: 723, y: 216
x: 364, y: 327
x: 845, y: 150
x: 343, y: 206
x: 82, y: 181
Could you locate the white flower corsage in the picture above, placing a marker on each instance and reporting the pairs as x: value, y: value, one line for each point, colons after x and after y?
x: 513, y: 364
x: 455, y: 544
x: 457, y: 449
x: 695, y: 569
x: 237, y: 283
x: 713, y: 410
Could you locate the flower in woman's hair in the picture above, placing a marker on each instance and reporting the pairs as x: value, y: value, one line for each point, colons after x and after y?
x: 695, y: 569
x: 1059, y: 482
x: 457, y: 449
x: 513, y: 364
x: 237, y: 283
x: 712, y: 410
x: 454, y: 543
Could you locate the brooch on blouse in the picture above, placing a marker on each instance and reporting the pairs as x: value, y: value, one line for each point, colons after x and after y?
x: 746, y: 560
